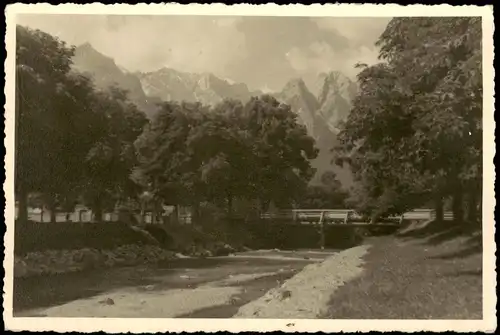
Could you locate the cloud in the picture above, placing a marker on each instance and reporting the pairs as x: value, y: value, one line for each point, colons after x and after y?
x: 260, y: 51
x: 359, y: 30
x: 321, y: 57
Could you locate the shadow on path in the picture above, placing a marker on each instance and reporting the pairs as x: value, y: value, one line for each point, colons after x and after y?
x: 434, y: 233
x: 473, y: 246
x: 51, y: 290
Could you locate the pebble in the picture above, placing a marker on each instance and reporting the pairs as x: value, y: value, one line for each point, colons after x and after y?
x: 107, y: 301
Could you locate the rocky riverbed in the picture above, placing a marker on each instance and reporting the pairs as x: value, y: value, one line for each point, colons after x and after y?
x: 269, y: 283
x: 51, y: 262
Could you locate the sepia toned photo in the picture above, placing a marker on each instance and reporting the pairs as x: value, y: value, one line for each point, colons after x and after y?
x: 211, y: 168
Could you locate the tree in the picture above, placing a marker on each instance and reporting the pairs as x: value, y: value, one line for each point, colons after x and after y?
x: 374, y: 141
x: 327, y: 195
x: 444, y: 69
x: 111, y: 159
x: 51, y: 114
x: 220, y: 150
x: 166, y: 162
x: 279, y: 167
x: 415, y: 129
x: 191, y: 153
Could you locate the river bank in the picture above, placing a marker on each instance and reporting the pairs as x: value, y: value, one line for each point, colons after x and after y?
x: 190, y: 287
x: 421, y: 273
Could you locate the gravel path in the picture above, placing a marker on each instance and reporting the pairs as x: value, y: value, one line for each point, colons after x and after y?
x: 306, y: 295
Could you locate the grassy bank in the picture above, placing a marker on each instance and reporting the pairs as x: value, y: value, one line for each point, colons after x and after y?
x: 36, y: 236
x: 430, y: 272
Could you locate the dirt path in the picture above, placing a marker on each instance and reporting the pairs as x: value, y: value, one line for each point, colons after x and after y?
x: 307, y: 294
x: 214, y: 287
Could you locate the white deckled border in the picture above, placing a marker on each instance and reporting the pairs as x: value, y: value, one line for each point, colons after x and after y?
x: 488, y: 324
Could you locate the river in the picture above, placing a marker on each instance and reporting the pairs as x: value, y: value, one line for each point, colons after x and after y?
x: 190, y: 287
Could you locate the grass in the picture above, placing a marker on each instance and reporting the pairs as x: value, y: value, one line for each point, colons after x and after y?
x: 434, y: 272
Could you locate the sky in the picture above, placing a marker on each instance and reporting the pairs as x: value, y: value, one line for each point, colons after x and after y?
x: 263, y: 52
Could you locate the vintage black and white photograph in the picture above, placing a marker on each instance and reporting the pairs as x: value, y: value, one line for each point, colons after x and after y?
x: 250, y: 166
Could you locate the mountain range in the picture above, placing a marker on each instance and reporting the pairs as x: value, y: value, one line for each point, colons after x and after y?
x: 319, y: 108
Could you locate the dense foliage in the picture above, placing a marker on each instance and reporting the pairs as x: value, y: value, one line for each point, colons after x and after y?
x: 329, y: 194
x: 72, y: 141
x: 415, y: 132
x: 191, y: 153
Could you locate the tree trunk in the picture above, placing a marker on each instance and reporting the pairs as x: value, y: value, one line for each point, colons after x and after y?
x: 195, y: 215
x: 154, y: 215
x: 97, y: 211
x: 53, y: 211
x: 175, y: 215
x: 51, y: 204
x: 23, y: 205
x: 158, y: 212
x: 457, y: 205
x: 438, y: 207
x: 471, y: 215
x: 229, y: 205
x: 264, y: 205
x: 143, y: 216
x: 143, y: 211
x: 42, y: 213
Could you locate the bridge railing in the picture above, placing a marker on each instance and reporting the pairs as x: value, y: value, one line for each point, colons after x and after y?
x: 348, y: 216
x: 312, y: 215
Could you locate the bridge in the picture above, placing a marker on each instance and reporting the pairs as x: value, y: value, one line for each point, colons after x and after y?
x: 348, y: 217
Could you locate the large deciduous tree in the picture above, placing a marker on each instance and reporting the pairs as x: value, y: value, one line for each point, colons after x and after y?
x: 166, y: 164
x: 415, y: 129
x: 110, y: 161
x: 279, y: 167
x: 54, y: 126
x: 191, y: 153
x: 70, y: 139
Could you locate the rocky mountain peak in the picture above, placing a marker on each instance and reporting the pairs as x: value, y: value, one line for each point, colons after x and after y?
x: 87, y: 54
x: 105, y: 73
x: 321, y: 112
x: 296, y: 85
x: 335, y: 98
x: 207, y: 88
x: 335, y: 82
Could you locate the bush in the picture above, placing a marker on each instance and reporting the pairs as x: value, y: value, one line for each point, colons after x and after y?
x: 50, y: 262
x: 37, y: 236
